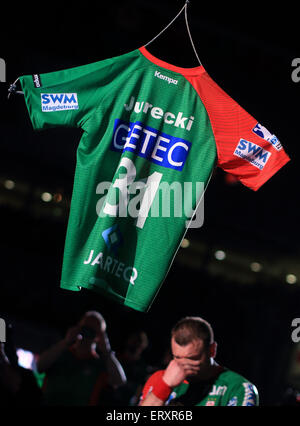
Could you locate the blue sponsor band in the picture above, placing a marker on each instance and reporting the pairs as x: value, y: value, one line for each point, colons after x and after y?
x: 147, y: 142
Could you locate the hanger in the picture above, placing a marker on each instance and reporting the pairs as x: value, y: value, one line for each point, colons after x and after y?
x: 13, y: 89
x: 184, y: 8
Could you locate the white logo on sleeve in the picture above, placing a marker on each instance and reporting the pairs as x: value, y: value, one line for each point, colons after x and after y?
x: 252, y: 153
x: 58, y: 101
x: 263, y: 133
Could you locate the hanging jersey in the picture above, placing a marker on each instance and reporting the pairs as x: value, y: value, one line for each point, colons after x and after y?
x: 152, y: 135
x: 226, y: 389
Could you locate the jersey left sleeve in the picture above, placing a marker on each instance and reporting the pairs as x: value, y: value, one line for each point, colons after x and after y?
x: 66, y: 97
x: 245, y: 148
x: 244, y: 394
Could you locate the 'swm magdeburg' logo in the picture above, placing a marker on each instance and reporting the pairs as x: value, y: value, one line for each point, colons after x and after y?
x: 252, y: 153
x: 58, y: 101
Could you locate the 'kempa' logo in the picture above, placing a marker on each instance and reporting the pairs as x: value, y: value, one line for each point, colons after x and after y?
x: 170, y: 80
x: 2, y: 331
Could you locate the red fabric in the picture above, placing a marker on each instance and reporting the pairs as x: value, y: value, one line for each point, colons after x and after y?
x: 153, y: 380
x: 231, y: 123
x: 185, y: 71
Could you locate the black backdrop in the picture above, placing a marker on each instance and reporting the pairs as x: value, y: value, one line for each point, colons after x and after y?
x: 248, y: 51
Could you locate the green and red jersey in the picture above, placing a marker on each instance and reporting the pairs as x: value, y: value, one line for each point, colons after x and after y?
x: 146, y: 125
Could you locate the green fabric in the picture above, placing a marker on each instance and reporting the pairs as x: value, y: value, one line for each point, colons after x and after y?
x: 125, y: 258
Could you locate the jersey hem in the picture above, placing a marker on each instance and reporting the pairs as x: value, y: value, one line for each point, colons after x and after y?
x: 113, y: 296
x: 265, y: 177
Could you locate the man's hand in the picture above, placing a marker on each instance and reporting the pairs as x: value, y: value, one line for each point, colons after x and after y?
x: 174, y: 374
x: 178, y: 370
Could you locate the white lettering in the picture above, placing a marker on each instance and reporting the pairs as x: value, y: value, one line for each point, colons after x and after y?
x: 86, y: 262
x: 130, y: 417
x: 130, y: 106
x: 180, y: 120
x: 166, y: 118
x: 176, y: 163
x: 138, y: 107
x: 148, y: 134
x: 165, y: 77
x: 131, y: 278
x: 133, y: 135
x: 107, y: 263
x: 159, y: 147
x: 119, y: 269
x: 146, y: 107
x: 122, y: 126
x: 96, y: 260
x: 113, y: 266
x: 157, y: 113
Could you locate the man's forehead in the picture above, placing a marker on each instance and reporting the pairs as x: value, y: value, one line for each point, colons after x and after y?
x: 196, y: 347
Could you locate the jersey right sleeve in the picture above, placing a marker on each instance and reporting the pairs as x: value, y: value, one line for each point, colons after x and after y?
x: 68, y: 97
x: 245, y: 148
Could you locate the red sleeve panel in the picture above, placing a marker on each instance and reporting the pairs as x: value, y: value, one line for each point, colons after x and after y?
x: 244, y: 147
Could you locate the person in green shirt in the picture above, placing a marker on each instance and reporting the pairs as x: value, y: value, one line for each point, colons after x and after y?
x: 193, y: 377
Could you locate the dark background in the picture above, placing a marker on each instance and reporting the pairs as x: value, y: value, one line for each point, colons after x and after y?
x: 248, y: 51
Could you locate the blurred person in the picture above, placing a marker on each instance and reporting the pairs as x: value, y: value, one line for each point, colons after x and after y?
x: 18, y: 386
x: 81, y: 369
x: 291, y: 397
x: 135, y: 366
x: 193, y: 377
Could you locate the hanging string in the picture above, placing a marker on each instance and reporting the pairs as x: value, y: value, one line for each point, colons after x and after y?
x: 189, y: 32
x: 167, y: 25
x: 187, y: 26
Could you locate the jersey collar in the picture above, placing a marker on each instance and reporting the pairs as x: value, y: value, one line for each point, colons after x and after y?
x: 184, y: 71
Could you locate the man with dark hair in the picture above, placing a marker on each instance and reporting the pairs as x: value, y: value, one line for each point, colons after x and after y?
x: 192, y: 328
x: 193, y: 377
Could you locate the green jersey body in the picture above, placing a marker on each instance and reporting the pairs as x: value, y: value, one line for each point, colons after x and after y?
x: 149, y: 136
x: 226, y: 389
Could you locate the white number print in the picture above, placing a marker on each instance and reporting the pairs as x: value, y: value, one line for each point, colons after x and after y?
x: 127, y: 185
